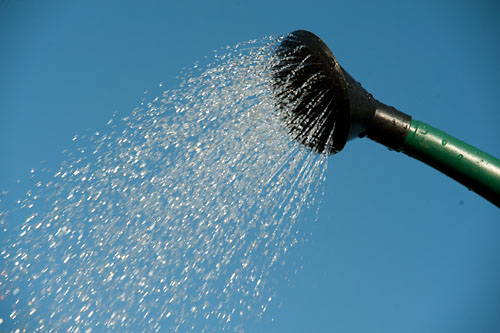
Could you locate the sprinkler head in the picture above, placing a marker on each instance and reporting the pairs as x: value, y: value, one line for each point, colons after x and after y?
x: 323, y: 106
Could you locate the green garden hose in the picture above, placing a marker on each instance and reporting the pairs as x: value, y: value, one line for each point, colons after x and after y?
x: 475, y: 169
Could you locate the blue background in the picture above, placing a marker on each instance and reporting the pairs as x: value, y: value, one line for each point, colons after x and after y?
x: 397, y: 246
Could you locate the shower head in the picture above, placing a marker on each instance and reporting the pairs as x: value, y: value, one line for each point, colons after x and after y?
x: 323, y: 106
x: 311, y: 91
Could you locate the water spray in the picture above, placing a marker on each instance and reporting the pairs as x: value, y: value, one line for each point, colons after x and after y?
x: 324, y: 107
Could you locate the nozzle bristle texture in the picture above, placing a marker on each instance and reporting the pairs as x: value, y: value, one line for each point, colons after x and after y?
x: 311, y: 92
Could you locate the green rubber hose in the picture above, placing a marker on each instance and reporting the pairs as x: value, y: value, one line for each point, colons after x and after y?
x: 477, y: 170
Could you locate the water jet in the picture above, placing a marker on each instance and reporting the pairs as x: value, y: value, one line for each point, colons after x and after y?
x: 173, y: 218
x: 323, y: 107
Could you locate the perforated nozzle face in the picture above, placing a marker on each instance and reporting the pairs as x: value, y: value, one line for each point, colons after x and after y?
x: 311, y: 92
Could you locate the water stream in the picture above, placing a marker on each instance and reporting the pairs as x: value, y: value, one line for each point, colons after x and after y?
x: 169, y: 219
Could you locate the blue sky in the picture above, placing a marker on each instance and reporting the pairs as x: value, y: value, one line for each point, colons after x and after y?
x: 398, y: 247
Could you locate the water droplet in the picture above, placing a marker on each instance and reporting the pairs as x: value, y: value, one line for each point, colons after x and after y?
x: 444, y: 142
x: 460, y: 156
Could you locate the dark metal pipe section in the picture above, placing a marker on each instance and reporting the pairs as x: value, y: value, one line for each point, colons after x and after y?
x: 389, y: 126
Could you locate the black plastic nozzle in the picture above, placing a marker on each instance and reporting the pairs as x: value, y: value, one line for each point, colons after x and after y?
x: 322, y: 105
